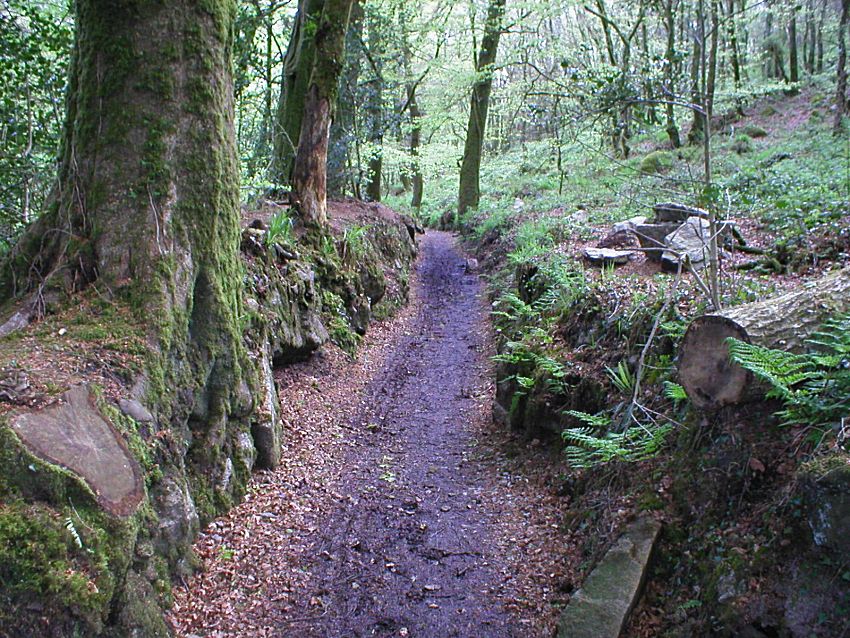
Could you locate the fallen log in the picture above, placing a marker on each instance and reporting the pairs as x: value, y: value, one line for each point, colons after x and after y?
x: 783, y: 322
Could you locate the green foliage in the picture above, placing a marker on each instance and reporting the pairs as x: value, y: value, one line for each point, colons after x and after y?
x: 587, y: 447
x: 656, y: 162
x: 35, y: 46
x: 280, y: 229
x: 354, y: 241
x: 814, y: 387
x: 622, y: 377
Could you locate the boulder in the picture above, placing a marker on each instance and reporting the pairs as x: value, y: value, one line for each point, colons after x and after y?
x: 601, y: 608
x: 652, y: 236
x: 688, y: 242
x: 607, y: 256
x: 679, y: 213
x: 75, y: 435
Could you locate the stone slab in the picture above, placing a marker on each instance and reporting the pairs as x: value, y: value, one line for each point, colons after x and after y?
x: 74, y: 435
x: 607, y: 256
x: 601, y: 608
x: 674, y: 212
x: 651, y: 237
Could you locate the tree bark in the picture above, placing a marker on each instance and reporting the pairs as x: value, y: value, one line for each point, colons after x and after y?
x: 469, y: 190
x: 794, y: 64
x: 669, y: 70
x: 695, y: 135
x: 309, y: 173
x: 415, y: 146
x: 841, y: 101
x: 375, y: 112
x: 297, y: 67
x: 732, y: 34
x: 711, y: 380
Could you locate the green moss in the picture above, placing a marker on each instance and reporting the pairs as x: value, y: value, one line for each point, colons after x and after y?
x: 754, y: 131
x: 656, y: 162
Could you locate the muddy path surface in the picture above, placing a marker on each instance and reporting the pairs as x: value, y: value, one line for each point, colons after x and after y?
x: 389, y: 516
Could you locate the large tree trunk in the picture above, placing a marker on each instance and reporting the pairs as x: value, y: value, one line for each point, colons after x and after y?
x: 297, y: 67
x: 469, y: 191
x: 841, y: 101
x: 309, y: 175
x: 711, y: 380
x: 147, y: 211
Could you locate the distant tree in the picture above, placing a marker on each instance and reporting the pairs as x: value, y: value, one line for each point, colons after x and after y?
x: 309, y: 171
x: 842, y: 105
x: 469, y: 190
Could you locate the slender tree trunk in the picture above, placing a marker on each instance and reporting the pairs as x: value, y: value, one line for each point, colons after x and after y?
x: 696, y: 132
x: 309, y: 173
x: 732, y: 34
x: 669, y: 70
x: 375, y: 112
x: 297, y: 67
x: 469, y: 192
x: 841, y: 101
x: 821, y: 26
x: 415, y: 146
x: 792, y: 47
x: 711, y: 71
x: 341, y: 169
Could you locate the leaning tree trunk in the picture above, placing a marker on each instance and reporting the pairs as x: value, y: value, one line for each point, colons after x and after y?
x: 297, y: 66
x: 469, y: 192
x: 309, y: 174
x: 711, y: 380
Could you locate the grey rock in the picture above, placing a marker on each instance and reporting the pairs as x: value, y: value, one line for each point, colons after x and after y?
x: 628, y: 225
x: 652, y: 236
x: 135, y: 410
x: 689, y: 242
x: 829, y: 510
x: 178, y: 518
x: 673, y: 212
x: 601, y: 608
x: 265, y: 425
x: 607, y: 256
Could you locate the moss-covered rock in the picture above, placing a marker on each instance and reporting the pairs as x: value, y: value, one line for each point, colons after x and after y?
x: 754, y: 131
x: 656, y: 162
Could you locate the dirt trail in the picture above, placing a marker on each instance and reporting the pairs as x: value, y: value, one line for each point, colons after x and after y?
x: 391, y: 517
x: 410, y: 546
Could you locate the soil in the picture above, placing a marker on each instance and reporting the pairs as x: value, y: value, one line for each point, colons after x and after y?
x: 401, y: 509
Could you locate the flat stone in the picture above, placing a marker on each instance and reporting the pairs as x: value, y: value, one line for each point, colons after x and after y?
x: 74, y: 435
x: 828, y: 500
x: 601, y: 608
x: 607, y: 256
x: 652, y: 236
x: 690, y: 242
x: 135, y: 410
x: 673, y: 212
x: 629, y: 225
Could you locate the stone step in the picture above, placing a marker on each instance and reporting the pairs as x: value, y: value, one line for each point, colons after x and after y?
x: 601, y: 608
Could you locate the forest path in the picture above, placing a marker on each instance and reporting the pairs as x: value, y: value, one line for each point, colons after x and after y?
x: 387, y: 515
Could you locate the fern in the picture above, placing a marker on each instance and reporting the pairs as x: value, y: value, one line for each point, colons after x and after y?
x: 72, y: 530
x: 674, y: 391
x: 813, y: 387
x: 637, y: 443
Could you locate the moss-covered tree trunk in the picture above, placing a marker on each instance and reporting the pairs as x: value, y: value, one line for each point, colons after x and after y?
x: 309, y: 176
x: 147, y: 211
x: 297, y: 66
x: 469, y: 191
x: 415, y: 148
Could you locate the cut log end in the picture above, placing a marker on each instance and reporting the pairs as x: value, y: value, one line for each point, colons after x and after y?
x: 710, y: 378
